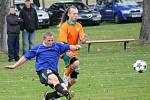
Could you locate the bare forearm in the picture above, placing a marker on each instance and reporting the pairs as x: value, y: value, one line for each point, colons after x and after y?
x: 83, y: 39
x: 21, y: 61
x: 75, y: 47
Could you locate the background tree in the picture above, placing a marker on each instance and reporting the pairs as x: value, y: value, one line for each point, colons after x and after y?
x: 145, y: 29
x: 3, y: 11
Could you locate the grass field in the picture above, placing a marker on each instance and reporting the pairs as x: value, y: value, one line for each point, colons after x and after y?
x: 105, y: 73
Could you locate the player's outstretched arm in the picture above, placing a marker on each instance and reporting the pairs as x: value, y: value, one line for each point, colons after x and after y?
x: 21, y: 61
x: 75, y: 47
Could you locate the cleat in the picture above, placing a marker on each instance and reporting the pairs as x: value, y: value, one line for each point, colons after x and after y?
x: 68, y: 96
x: 49, y: 98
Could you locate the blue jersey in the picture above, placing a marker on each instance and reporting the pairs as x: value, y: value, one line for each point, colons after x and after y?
x: 47, y: 57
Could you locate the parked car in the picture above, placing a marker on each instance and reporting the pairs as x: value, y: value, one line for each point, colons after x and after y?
x: 119, y: 10
x: 43, y: 17
x: 140, y: 3
x: 86, y: 16
x: 92, y: 6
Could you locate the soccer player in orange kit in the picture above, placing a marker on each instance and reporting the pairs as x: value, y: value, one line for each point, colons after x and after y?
x: 71, y: 32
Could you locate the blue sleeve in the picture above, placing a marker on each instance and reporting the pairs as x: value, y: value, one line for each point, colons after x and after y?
x: 63, y: 47
x: 31, y: 53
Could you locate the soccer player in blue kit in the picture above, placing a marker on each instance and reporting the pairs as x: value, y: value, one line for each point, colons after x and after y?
x: 46, y: 64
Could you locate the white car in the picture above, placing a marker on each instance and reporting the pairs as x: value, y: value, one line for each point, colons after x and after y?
x: 43, y: 17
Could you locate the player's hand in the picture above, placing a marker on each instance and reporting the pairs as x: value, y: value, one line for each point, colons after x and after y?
x: 78, y: 47
x: 9, y: 66
x: 83, y: 38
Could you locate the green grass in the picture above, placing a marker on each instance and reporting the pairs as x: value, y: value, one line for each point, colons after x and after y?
x: 105, y: 73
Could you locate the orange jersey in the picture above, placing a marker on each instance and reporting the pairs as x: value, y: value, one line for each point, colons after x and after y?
x: 71, y: 33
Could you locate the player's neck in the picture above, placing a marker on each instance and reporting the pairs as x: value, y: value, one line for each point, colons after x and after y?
x: 47, y: 45
x: 71, y: 22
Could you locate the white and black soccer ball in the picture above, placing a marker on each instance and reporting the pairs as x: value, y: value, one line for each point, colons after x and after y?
x: 140, y: 66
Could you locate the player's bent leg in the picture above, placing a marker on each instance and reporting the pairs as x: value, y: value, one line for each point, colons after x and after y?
x: 51, y: 96
x: 53, y: 79
x: 59, y: 88
x: 74, y: 64
x: 47, y: 77
x: 71, y: 82
x: 73, y: 79
x: 69, y: 71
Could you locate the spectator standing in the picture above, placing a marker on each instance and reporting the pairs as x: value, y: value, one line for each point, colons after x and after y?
x: 29, y: 25
x: 13, y: 30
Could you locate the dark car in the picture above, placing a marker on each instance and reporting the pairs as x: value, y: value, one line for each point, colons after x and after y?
x: 86, y: 16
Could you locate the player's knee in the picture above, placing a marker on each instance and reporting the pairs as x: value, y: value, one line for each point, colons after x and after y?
x: 75, y: 64
x: 52, y: 79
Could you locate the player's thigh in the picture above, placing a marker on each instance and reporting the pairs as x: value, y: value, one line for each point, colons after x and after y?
x: 53, y: 79
x: 43, y: 76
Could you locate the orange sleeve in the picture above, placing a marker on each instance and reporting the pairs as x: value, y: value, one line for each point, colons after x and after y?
x: 62, y: 37
x: 81, y: 33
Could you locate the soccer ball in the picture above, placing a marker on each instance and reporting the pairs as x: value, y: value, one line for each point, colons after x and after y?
x: 140, y: 66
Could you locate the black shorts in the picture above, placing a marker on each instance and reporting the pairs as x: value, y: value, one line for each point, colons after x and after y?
x: 43, y: 76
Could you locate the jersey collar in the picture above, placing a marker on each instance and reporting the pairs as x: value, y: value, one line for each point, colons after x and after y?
x: 46, y: 45
x: 70, y: 22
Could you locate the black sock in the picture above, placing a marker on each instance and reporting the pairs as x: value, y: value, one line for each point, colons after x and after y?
x: 53, y: 95
x: 59, y: 89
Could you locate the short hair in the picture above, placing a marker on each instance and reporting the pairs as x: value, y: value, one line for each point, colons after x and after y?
x: 47, y: 34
